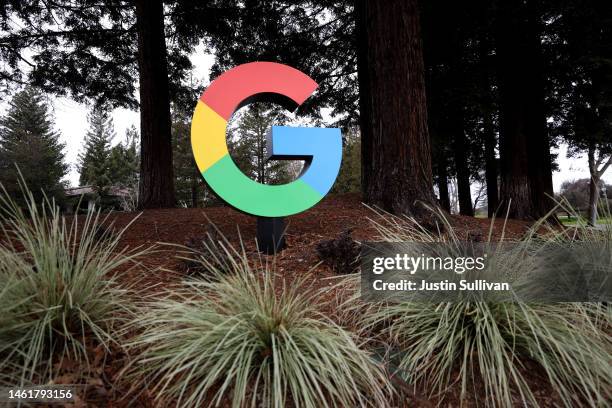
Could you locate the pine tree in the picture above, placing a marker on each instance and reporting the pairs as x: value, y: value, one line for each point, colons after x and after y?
x: 349, y: 178
x: 94, y: 161
x: 124, y: 161
x: 29, y: 142
x: 249, y: 150
x: 187, y: 179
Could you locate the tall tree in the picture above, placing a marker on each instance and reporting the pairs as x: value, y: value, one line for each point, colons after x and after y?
x: 460, y: 150
x: 156, y: 181
x: 98, y: 51
x: 482, y: 16
x: 124, y: 161
x: 583, y: 29
x: 94, y: 160
x: 29, y: 142
x: 590, y: 128
x: 456, y: 101
x: 460, y: 96
x: 440, y: 137
x: 396, y: 157
x: 489, y: 112
x: 526, y: 168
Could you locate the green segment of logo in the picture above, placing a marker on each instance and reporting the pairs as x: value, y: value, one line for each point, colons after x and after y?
x: 226, y: 179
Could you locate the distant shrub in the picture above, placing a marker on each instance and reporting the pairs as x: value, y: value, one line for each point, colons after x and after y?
x: 341, y: 254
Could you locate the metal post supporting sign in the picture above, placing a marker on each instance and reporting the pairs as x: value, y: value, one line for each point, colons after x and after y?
x: 270, y: 234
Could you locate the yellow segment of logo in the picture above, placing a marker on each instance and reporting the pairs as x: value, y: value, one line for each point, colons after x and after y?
x: 207, y: 136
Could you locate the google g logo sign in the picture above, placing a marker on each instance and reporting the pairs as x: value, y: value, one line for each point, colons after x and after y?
x: 321, y: 148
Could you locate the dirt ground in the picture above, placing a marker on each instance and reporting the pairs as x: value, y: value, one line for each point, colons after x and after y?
x: 327, y: 220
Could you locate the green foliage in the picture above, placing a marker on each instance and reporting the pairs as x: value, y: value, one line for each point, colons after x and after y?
x: 493, y: 342
x: 349, y: 178
x: 103, y: 166
x: 124, y: 161
x: 585, y: 75
x: 189, y: 184
x: 497, y: 345
x: 236, y: 339
x: 584, y: 84
x: 87, y: 51
x: 94, y: 160
x: 249, y: 150
x: 576, y: 193
x: 318, y: 39
x: 30, y: 145
x: 66, y: 62
x: 58, y: 291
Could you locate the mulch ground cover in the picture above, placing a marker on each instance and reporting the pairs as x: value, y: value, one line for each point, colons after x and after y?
x: 327, y: 220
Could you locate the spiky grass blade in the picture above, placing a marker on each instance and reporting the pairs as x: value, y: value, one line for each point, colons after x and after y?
x: 491, y: 344
x: 239, y: 338
x: 58, y: 287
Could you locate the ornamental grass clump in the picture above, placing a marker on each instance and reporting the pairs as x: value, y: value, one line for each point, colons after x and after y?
x: 58, y: 292
x: 497, y: 347
x: 238, y: 338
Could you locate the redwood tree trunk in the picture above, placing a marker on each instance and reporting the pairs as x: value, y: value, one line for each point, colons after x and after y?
x: 396, y: 157
x: 461, y: 164
x: 540, y: 160
x: 490, y: 165
x: 156, y: 174
x: 443, y: 184
x: 490, y: 139
x: 526, y: 171
x: 194, y: 187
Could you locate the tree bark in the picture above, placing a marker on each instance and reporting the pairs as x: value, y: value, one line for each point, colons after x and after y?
x: 526, y: 170
x: 194, y: 187
x: 156, y: 173
x: 396, y: 155
x: 461, y: 164
x: 490, y: 165
x: 443, y: 184
x: 490, y: 139
x: 593, y: 199
x: 594, y: 186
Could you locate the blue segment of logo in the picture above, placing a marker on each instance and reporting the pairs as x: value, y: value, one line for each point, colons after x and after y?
x: 320, y: 147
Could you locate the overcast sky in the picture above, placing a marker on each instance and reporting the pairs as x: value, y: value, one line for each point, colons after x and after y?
x: 71, y: 121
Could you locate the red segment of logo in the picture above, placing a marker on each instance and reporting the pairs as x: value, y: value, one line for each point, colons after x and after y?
x: 231, y: 88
